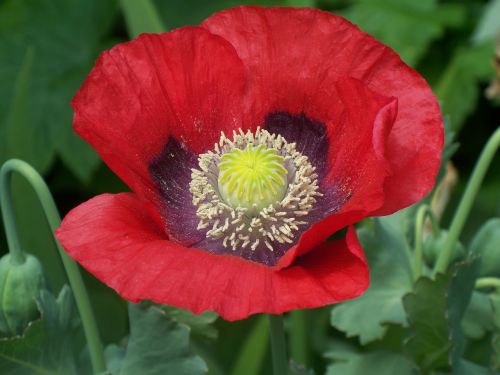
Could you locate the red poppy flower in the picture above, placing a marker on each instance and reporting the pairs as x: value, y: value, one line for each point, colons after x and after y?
x: 247, y: 141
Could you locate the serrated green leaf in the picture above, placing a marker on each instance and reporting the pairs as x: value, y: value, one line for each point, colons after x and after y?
x: 395, y: 22
x: 489, y: 24
x: 373, y: 363
x: 141, y: 17
x: 435, y: 311
x: 391, y: 279
x: 64, y: 36
x: 485, y: 243
x: 158, y: 345
x: 200, y: 324
x: 48, y: 347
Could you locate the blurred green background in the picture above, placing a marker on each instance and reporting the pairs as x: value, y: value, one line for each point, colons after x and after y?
x: 47, y: 47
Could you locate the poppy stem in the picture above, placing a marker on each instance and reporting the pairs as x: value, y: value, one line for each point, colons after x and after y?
x: 278, y: 345
x: 465, y: 204
x: 299, y: 348
x: 54, y: 220
x: 13, y: 243
x: 424, y: 212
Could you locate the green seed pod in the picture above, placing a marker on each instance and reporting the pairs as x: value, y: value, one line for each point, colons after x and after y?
x: 433, y: 246
x: 20, y: 286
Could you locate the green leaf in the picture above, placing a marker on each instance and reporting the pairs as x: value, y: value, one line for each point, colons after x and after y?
x: 458, y: 87
x: 49, y: 345
x: 200, y: 324
x: 114, y: 355
x: 21, y: 139
x: 367, y: 316
x: 158, y: 345
x: 141, y: 17
x: 495, y: 303
x: 485, y: 243
x: 254, y: 350
x: 435, y: 311
x: 373, y: 363
x: 395, y: 22
x: 488, y: 26
x: 478, y: 317
x: 62, y: 37
x: 470, y: 368
x: 433, y: 246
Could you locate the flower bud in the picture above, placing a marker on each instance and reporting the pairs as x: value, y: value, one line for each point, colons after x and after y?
x: 20, y: 285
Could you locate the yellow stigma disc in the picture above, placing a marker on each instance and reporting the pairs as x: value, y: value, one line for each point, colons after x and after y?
x: 252, y: 178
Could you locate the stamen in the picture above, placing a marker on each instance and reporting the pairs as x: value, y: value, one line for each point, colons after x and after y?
x: 251, y: 190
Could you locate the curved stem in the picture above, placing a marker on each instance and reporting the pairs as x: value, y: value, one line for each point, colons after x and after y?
x: 280, y: 363
x: 54, y: 220
x: 467, y: 199
x: 488, y: 282
x: 424, y: 211
x: 13, y: 242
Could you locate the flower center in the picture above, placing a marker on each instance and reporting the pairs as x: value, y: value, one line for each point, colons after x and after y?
x: 253, y: 191
x: 252, y: 178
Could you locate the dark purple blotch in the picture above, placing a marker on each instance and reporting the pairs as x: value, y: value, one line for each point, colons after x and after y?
x: 171, y: 172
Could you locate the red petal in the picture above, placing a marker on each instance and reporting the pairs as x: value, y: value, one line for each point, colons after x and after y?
x: 187, y: 84
x: 115, y: 239
x: 295, y: 56
x: 357, y: 168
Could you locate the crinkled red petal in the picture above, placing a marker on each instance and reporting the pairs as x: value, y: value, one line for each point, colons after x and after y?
x: 295, y: 56
x: 117, y: 240
x: 358, y: 168
x: 186, y: 84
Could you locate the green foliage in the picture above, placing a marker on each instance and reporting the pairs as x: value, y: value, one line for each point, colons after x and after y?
x: 157, y: 345
x: 486, y: 243
x: 374, y: 363
x: 49, y: 346
x: 435, y: 310
x: 141, y: 17
x: 20, y: 286
x: 47, y: 48
x: 254, y: 350
x: 57, y: 42
x: 408, y: 26
x: 488, y: 27
x: 201, y: 324
x: 192, y: 12
x: 433, y: 246
x: 478, y: 319
x: 368, y: 315
x: 495, y: 302
x: 458, y: 88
